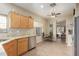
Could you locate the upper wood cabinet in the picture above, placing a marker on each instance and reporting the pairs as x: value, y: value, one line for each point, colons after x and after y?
x: 24, y: 22
x: 11, y: 48
x: 19, y: 21
x: 15, y: 20
x: 31, y: 22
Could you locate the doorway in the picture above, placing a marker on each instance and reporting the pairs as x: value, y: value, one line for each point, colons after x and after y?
x: 61, y: 31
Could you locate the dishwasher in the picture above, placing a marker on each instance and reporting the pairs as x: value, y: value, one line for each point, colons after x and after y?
x: 32, y: 42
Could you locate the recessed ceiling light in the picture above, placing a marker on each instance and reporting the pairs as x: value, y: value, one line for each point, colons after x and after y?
x: 42, y: 6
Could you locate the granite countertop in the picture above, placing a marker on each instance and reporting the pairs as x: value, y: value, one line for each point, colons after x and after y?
x: 9, y: 38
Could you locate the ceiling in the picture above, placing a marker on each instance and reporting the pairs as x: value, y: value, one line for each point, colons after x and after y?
x: 63, y: 8
x: 4, y: 9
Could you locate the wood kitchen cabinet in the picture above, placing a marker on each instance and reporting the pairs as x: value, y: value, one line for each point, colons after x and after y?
x: 22, y: 45
x: 14, y: 20
x: 31, y: 22
x: 20, y: 21
x: 24, y: 22
x: 11, y: 48
x: 16, y: 47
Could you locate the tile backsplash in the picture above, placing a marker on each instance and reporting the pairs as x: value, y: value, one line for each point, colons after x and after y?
x: 21, y: 32
x: 17, y: 32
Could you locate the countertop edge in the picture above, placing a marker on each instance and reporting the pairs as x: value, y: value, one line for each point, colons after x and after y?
x: 12, y: 38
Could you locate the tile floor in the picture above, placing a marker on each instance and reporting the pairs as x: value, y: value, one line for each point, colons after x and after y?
x: 47, y: 48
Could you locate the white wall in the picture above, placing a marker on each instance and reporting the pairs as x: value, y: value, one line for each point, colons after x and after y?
x: 69, y: 26
x: 77, y: 10
x: 54, y: 29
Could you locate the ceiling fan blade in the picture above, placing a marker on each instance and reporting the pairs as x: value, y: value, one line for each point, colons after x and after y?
x: 52, y: 14
x: 57, y: 13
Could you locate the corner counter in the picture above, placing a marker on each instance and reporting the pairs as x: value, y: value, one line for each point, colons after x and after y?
x: 9, y: 39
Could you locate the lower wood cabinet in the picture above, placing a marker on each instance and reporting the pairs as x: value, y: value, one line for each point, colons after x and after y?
x: 22, y: 45
x: 11, y: 48
x: 16, y: 47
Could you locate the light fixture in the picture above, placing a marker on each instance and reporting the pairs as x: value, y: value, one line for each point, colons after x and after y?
x: 42, y: 6
x: 53, y: 4
x: 52, y: 12
x: 53, y: 16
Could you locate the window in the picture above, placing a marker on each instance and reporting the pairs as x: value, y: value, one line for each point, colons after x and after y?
x: 3, y: 22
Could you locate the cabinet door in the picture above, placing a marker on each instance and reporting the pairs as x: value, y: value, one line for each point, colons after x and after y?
x: 31, y: 22
x: 11, y: 48
x: 22, y: 45
x: 24, y: 22
x: 15, y: 20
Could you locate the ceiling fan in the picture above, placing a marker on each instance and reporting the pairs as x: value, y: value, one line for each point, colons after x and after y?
x: 52, y: 12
